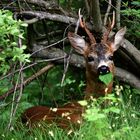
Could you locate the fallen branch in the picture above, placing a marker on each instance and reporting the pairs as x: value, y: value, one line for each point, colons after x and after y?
x: 46, y: 15
x: 127, y: 77
x: 78, y: 61
x: 125, y: 62
x: 132, y: 51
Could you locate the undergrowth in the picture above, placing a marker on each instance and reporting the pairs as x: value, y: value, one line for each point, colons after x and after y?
x: 114, y: 117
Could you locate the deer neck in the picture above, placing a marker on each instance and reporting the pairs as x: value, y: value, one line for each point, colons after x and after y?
x: 95, y: 87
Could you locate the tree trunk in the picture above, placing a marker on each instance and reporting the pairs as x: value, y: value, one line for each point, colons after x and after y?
x: 118, y: 7
x: 96, y: 15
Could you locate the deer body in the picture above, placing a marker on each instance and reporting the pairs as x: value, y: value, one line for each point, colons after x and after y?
x: 99, y: 61
x: 69, y: 114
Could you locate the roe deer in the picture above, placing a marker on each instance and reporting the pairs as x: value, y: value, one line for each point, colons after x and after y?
x: 99, y: 61
x: 98, y: 58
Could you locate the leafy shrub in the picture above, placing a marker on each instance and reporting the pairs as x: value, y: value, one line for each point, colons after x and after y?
x: 10, y: 32
x: 132, y: 20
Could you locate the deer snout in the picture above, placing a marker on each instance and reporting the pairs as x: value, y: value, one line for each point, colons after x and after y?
x: 103, y: 70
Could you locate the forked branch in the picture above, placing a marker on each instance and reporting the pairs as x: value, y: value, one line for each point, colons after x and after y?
x: 107, y: 12
x: 109, y: 28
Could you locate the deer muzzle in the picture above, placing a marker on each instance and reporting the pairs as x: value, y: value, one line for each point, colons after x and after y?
x: 102, y: 70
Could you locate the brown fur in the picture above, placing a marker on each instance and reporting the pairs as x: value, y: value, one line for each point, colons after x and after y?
x: 69, y: 114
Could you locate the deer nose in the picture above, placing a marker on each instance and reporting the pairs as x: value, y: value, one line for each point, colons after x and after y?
x: 103, y: 70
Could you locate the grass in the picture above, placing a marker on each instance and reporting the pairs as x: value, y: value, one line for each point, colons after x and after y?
x: 119, y: 120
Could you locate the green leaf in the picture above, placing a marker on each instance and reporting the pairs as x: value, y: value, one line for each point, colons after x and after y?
x: 83, y: 102
x: 112, y: 109
x: 137, y: 3
x: 136, y: 91
x: 24, y: 24
x: 24, y: 47
x: 107, y: 78
x: 14, y: 31
x: 93, y: 114
x: 1, y: 21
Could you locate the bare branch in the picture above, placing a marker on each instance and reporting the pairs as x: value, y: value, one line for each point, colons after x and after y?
x: 15, y: 104
x: 45, y: 15
x: 109, y: 29
x: 107, y: 12
x: 70, y: 53
x: 27, y: 81
x: 33, y: 64
x: 118, y: 7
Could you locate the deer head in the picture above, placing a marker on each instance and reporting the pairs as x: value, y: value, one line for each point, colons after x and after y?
x: 98, y: 56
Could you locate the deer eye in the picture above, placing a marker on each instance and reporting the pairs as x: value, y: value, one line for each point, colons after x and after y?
x: 90, y: 59
x: 110, y: 58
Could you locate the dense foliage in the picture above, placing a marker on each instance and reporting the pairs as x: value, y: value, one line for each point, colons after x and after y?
x: 10, y: 32
x: 131, y: 18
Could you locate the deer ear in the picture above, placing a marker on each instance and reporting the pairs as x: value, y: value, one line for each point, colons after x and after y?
x: 119, y: 37
x: 78, y: 43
